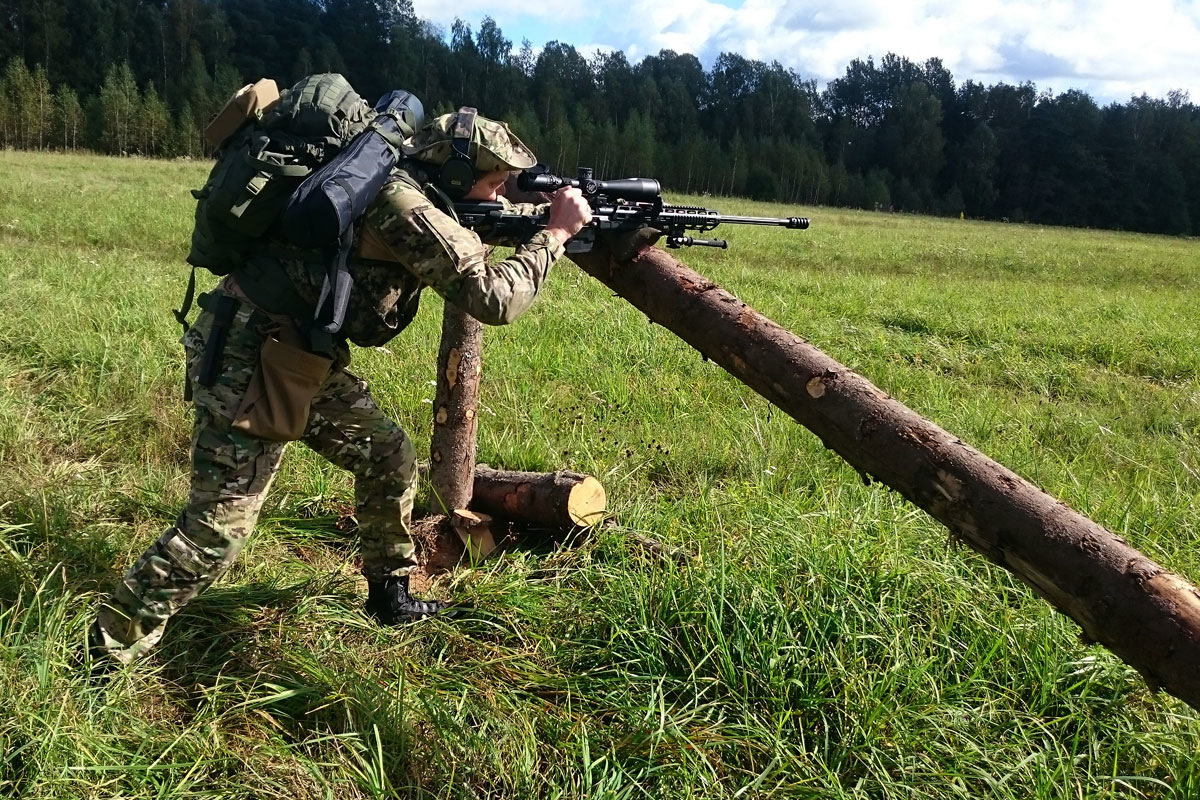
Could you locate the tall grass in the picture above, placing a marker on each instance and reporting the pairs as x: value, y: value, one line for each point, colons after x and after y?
x: 826, y: 640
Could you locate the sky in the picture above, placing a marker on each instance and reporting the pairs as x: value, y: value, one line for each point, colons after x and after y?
x: 1112, y: 49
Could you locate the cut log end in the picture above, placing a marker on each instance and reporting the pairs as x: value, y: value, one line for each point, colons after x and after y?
x: 587, y: 502
x: 561, y: 499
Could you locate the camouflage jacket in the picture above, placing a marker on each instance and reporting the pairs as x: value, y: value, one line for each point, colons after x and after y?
x: 406, y: 244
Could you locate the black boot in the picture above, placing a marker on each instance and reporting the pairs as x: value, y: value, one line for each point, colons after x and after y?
x: 94, y: 661
x: 389, y: 602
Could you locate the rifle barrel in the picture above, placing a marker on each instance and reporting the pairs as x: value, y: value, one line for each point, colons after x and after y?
x: 792, y: 223
x: 707, y: 219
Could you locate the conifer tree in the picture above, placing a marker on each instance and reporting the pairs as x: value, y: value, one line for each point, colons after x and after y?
x: 738, y: 156
x: 41, y: 107
x: 605, y: 148
x: 21, y: 105
x: 68, y: 117
x: 119, y: 104
x: 186, y: 134
x: 637, y: 145
x: 153, y: 125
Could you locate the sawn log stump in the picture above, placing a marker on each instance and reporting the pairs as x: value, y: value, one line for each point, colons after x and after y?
x: 503, y: 504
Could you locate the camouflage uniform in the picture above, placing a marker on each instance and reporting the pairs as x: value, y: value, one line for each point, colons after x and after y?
x: 411, y: 244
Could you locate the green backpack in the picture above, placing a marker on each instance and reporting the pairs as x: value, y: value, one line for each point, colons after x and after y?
x: 263, y: 161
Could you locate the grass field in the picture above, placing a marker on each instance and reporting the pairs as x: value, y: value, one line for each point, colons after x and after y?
x: 826, y: 641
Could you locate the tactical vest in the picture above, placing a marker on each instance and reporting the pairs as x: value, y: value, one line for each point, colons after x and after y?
x: 286, y: 280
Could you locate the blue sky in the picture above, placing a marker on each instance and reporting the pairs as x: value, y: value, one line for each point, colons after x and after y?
x: 1113, y: 49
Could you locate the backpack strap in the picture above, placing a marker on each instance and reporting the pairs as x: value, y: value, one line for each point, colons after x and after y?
x: 331, y: 308
x: 394, y: 140
x: 276, y: 169
x: 189, y: 297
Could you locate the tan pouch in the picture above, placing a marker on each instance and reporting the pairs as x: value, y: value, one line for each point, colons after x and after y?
x: 371, y: 245
x: 279, y: 398
x: 248, y: 103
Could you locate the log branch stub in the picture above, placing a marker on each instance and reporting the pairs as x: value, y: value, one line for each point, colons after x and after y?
x: 1146, y: 615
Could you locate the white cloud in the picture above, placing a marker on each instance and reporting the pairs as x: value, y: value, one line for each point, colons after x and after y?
x: 643, y: 28
x: 1110, y: 48
x: 1107, y: 46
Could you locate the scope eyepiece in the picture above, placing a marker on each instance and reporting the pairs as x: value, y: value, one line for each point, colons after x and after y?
x: 532, y: 180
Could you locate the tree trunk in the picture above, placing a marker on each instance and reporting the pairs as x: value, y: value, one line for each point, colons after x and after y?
x: 1123, y: 600
x: 554, y: 499
x: 452, y: 447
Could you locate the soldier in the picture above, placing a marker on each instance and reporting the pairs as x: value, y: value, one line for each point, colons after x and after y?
x: 272, y: 381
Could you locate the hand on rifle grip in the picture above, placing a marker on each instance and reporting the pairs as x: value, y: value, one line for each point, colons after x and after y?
x: 569, y: 213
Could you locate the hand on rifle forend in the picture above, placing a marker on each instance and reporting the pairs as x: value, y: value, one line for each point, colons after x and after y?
x: 569, y: 213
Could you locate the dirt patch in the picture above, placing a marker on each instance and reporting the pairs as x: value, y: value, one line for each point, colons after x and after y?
x: 438, y: 551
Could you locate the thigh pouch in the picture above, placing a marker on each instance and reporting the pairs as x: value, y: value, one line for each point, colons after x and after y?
x: 279, y: 398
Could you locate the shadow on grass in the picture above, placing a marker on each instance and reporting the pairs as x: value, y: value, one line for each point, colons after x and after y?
x: 82, y: 564
x: 295, y: 660
x: 303, y: 659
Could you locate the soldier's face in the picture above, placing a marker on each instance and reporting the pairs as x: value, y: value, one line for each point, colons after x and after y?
x: 487, y: 187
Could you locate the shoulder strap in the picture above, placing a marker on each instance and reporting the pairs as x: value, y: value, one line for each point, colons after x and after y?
x: 335, y: 292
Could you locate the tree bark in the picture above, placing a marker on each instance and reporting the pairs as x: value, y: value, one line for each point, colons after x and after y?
x: 455, y: 406
x: 1140, y: 611
x: 554, y: 499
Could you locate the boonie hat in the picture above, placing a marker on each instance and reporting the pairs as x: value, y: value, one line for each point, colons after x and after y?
x: 493, y: 147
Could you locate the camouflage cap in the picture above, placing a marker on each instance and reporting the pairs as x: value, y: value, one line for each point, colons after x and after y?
x: 493, y: 147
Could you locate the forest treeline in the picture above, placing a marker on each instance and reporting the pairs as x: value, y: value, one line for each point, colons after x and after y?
x: 143, y: 77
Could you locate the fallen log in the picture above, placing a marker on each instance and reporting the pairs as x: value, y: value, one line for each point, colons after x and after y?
x: 1143, y: 613
x: 527, y: 503
x: 554, y: 499
x: 548, y: 499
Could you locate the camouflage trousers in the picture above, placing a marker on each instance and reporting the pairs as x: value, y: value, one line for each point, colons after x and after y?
x: 231, y: 472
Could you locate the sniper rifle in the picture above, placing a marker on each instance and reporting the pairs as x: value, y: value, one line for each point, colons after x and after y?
x: 618, y: 206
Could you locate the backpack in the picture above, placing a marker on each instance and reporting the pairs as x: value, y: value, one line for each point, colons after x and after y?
x: 277, y: 155
x: 265, y: 159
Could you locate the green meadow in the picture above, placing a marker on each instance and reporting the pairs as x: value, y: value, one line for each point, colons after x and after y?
x: 822, y: 639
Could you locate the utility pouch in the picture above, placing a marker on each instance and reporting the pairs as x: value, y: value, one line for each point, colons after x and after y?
x: 279, y: 398
x: 224, y: 309
x: 247, y: 191
x: 248, y: 104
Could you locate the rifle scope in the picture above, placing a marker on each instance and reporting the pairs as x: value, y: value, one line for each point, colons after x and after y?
x: 636, y: 189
